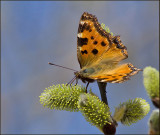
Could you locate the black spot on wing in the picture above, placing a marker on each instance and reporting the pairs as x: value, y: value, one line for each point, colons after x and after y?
x: 94, y: 51
x: 103, y: 43
x: 83, y: 27
x: 80, y: 28
x: 92, y: 37
x: 82, y: 41
x: 84, y: 52
x: 95, y: 42
x: 102, y: 32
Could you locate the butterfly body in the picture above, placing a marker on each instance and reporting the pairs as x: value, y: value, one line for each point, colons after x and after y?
x: 99, y: 53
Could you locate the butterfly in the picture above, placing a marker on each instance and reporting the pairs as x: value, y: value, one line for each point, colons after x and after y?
x: 99, y: 54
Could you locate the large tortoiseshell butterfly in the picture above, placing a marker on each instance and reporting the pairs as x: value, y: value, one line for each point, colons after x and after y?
x: 99, y: 53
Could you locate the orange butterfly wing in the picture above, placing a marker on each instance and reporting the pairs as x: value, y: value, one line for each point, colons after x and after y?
x: 95, y: 44
x: 117, y: 75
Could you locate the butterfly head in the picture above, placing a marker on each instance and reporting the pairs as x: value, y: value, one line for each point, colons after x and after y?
x: 84, y: 73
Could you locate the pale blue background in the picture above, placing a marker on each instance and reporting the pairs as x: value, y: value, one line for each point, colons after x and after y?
x: 35, y: 33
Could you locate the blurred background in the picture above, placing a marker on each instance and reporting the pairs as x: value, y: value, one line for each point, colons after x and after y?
x: 35, y: 33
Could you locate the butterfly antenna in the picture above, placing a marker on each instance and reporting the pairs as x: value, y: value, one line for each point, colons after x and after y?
x: 61, y: 66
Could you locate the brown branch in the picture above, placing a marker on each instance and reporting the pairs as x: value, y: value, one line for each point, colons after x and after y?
x: 108, y: 129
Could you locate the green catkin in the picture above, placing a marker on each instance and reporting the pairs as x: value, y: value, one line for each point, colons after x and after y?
x: 151, y: 81
x: 135, y: 110
x: 94, y: 110
x: 106, y: 28
x: 61, y: 97
x: 154, y: 122
x: 119, y: 113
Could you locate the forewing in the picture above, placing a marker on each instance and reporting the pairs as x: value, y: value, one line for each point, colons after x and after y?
x: 95, y: 45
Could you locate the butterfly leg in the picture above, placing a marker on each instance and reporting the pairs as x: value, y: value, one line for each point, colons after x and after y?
x: 76, y: 81
x: 70, y: 82
x: 87, y: 86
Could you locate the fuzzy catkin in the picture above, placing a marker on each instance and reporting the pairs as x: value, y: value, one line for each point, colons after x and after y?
x: 62, y: 97
x: 135, y: 110
x: 151, y: 81
x: 94, y: 110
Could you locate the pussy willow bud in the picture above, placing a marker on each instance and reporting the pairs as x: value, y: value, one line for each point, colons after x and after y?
x: 131, y: 111
x: 94, y: 110
x: 62, y: 97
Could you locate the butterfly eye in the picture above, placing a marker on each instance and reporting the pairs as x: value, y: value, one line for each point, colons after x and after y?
x: 85, y: 71
x: 88, y: 70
